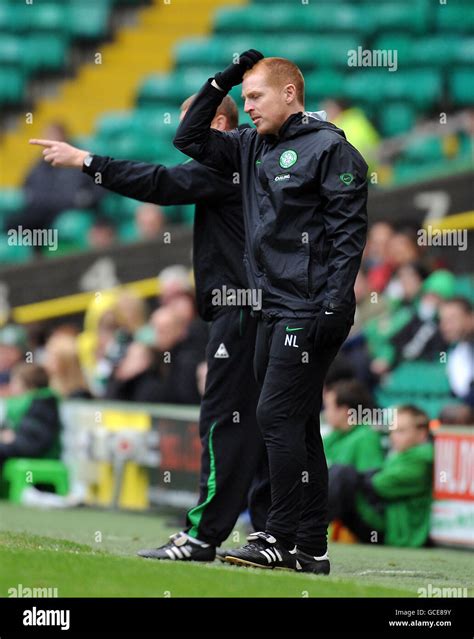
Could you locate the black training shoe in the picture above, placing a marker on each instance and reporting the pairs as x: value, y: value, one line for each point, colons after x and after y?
x: 262, y: 551
x: 316, y: 565
x: 182, y: 547
x: 221, y: 553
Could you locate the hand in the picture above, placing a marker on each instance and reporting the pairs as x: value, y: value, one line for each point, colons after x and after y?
x: 233, y: 75
x: 61, y: 153
x: 332, y: 327
x: 7, y: 436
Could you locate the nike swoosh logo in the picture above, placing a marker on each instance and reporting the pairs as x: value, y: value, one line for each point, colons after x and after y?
x: 328, y: 313
x: 290, y: 330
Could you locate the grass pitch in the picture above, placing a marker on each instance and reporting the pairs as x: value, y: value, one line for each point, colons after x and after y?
x: 91, y: 553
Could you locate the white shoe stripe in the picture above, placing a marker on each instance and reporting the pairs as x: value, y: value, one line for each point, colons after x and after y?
x: 170, y: 554
x: 177, y: 552
x: 266, y: 554
x: 278, y: 555
x: 185, y: 551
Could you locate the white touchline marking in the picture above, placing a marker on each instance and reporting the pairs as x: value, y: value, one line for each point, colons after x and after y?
x: 392, y: 572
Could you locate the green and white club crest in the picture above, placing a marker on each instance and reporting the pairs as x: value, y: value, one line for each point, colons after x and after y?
x: 288, y: 158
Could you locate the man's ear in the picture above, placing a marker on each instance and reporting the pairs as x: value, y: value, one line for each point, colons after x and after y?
x: 290, y: 93
x: 219, y: 122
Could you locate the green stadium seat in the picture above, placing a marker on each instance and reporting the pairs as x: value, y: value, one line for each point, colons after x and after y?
x: 12, y: 86
x: 402, y: 43
x: 437, y: 50
x: 307, y: 51
x: 19, y: 471
x: 411, y: 17
x: 465, y: 287
x: 424, y: 149
x: 396, y: 118
x: 11, y: 50
x: 118, y: 208
x: 461, y: 87
x: 88, y: 21
x: 13, y: 253
x: 44, y: 52
x: 11, y: 200
x: 455, y: 16
x: 140, y: 148
x: 127, y: 231
x: 324, y: 84
x: 296, y: 18
x: 153, y: 122
x: 464, y: 50
x: 377, y: 85
x: 73, y: 227
x: 44, y: 16
x: 422, y: 378
x: 175, y: 87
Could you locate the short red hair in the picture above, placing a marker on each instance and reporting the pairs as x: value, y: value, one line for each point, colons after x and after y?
x: 281, y: 72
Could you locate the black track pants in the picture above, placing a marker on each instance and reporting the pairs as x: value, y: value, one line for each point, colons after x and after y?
x: 291, y: 367
x: 232, y: 444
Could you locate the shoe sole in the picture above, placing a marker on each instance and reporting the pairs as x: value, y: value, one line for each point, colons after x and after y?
x: 236, y: 561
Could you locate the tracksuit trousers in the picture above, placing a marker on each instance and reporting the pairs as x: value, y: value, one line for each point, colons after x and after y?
x: 291, y: 366
x: 232, y: 444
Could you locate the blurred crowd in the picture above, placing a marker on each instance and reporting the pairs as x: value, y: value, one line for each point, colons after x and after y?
x: 128, y: 349
x: 409, y: 309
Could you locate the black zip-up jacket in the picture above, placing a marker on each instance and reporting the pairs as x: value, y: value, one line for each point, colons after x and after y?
x: 218, y: 243
x: 304, y: 199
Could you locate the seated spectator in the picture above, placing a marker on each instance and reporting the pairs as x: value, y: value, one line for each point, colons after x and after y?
x: 392, y: 504
x: 13, y: 345
x: 369, y: 306
x: 410, y: 330
x: 136, y: 377
x: 351, y: 443
x: 101, y: 323
x: 32, y: 426
x: 358, y: 129
x: 457, y: 328
x: 132, y: 310
x: 62, y: 365
x: 173, y: 281
x: 50, y: 190
x: 376, y: 255
x: 102, y: 234
x: 149, y: 220
x: 456, y: 415
x: 420, y: 338
x: 181, y: 351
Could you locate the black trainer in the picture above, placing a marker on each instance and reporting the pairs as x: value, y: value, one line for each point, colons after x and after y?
x: 262, y: 551
x: 315, y: 565
x: 181, y: 547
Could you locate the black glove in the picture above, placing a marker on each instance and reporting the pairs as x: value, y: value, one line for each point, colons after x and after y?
x: 233, y: 75
x: 332, y: 327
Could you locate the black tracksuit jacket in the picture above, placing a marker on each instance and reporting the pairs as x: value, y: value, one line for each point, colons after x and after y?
x: 219, y: 237
x: 304, y: 199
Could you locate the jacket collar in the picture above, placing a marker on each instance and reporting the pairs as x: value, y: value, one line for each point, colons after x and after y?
x: 294, y: 126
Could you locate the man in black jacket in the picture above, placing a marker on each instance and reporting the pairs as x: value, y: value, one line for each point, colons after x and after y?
x: 304, y: 198
x: 232, y: 446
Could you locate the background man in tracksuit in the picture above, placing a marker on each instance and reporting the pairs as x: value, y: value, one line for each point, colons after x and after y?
x: 232, y: 446
x: 304, y: 197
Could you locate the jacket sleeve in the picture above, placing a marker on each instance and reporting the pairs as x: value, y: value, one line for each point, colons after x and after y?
x: 36, y: 433
x: 194, y: 137
x: 181, y: 184
x: 343, y: 180
x: 390, y: 483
